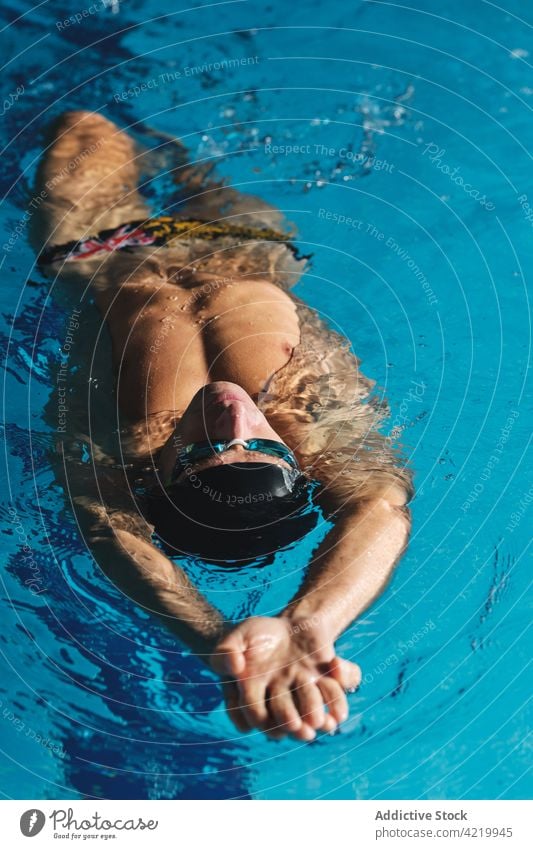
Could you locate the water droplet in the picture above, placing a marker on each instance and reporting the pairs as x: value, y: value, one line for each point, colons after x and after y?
x: 518, y: 53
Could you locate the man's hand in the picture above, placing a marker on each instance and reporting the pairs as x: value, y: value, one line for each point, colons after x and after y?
x: 283, y: 676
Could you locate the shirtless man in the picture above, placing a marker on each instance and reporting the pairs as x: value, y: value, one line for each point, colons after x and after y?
x: 237, y: 396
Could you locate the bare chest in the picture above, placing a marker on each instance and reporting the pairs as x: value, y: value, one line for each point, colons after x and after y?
x: 172, y: 336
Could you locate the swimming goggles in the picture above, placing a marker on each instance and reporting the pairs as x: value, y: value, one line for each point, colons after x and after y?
x: 200, y: 450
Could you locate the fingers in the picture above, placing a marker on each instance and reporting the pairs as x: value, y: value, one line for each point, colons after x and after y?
x: 283, y: 714
x: 347, y: 674
x: 334, y: 699
x: 235, y: 713
x: 305, y: 734
x: 284, y: 717
x: 253, y: 702
x: 301, y: 713
x: 309, y: 701
x: 228, y: 658
x: 281, y: 717
x: 330, y: 725
x: 298, y: 708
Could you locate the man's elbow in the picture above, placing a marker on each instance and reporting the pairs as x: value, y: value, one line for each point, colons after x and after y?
x: 392, y: 508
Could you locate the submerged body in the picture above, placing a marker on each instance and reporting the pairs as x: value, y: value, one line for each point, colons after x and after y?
x: 208, y: 344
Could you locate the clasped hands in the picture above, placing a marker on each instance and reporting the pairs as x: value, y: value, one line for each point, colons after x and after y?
x: 283, y: 678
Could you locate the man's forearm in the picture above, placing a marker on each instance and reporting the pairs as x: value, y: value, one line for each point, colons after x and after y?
x: 149, y: 578
x: 351, y: 567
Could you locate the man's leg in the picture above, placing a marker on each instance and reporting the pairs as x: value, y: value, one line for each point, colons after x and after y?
x: 87, y: 178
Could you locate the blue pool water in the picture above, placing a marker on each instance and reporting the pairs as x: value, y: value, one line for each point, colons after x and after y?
x: 410, y: 120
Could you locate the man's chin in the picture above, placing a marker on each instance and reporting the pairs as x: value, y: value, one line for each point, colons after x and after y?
x: 224, y: 390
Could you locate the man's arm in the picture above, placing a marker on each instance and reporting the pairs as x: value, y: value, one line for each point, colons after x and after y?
x: 352, y: 565
x: 122, y: 548
x: 125, y: 554
x: 285, y: 667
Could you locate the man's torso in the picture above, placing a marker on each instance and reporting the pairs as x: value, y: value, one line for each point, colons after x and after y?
x: 175, y: 331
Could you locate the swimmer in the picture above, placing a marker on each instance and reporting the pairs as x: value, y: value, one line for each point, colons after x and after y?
x: 245, y: 416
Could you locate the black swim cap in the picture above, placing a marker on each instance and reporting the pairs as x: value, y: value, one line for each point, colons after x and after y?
x: 234, y: 513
